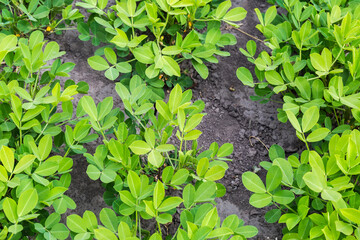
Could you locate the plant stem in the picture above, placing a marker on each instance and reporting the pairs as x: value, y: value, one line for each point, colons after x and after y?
x: 307, y: 145
x: 337, y: 120
x: 248, y: 34
x: 162, y: 30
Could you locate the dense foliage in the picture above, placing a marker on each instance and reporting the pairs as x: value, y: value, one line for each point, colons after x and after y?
x: 149, y: 175
x: 23, y: 17
x: 150, y: 162
x: 152, y: 38
x: 314, y: 64
x: 35, y: 162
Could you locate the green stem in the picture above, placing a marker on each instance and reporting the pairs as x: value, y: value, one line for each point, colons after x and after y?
x: 337, y: 119
x: 102, y: 132
x: 45, y: 125
x: 307, y: 145
x: 132, y: 28
x: 162, y: 30
x: 136, y: 220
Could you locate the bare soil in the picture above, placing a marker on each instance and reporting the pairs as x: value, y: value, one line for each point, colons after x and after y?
x: 231, y: 117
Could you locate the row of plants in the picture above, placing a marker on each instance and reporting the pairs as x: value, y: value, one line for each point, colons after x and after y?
x: 313, y: 64
x: 149, y: 163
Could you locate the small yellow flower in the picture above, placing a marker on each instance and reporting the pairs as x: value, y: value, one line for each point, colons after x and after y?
x: 190, y: 24
x: 160, y: 76
x: 189, y: 16
x: 18, y: 35
x: 48, y: 29
x: 162, y: 38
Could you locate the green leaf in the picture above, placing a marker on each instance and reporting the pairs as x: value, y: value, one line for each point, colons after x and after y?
x: 180, y: 177
x: 103, y: 233
x: 144, y: 55
x: 205, y: 192
x: 247, y: 231
x: 35, y: 38
x: 110, y: 55
x: 76, y: 224
x: 89, y: 107
x: 317, y: 62
x: 164, y: 218
x: 303, y: 85
x: 225, y: 150
x: 352, y: 214
x: 193, y: 122
x: 98, y: 63
x: 343, y: 227
x: 273, y: 215
x: 93, y: 172
x: 310, y: 118
x: 121, y: 40
x: 253, y: 182
x: 112, y: 74
x: 171, y: 67
x: 7, y: 158
x: 222, y: 9
x: 144, y: 108
x: 260, y: 200
x: 8, y: 43
x: 159, y: 194
x: 45, y: 146
x: 171, y: 50
x: 175, y: 98
x: 314, y: 182
x: 163, y: 109
x: 188, y: 195
x: 47, y: 168
x: 60, y: 231
x: 202, y: 167
x: 155, y: 158
x: 192, y: 135
x: 293, y: 120
x: 27, y: 202
x: 52, y: 220
x: 284, y: 197
x: 318, y: 135
x: 123, y: 67
x: 286, y: 169
x: 90, y: 220
x: 140, y: 147
x: 170, y: 203
x: 165, y: 148
x: 273, y: 178
x: 215, y: 173
x: 108, y: 175
x: 24, y: 163
x: 220, y: 232
x: 244, y: 75
x: 3, y: 174
x: 10, y: 209
x: 109, y: 219
x: 41, y: 12
x: 289, y: 71
x: 274, y: 78
x: 235, y: 14
x: 202, y: 69
x: 270, y: 15
x: 134, y: 183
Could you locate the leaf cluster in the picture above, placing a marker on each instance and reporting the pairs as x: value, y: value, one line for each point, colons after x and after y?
x: 314, y: 65
x: 149, y: 175
x: 157, y: 36
x: 35, y: 164
x: 23, y: 17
